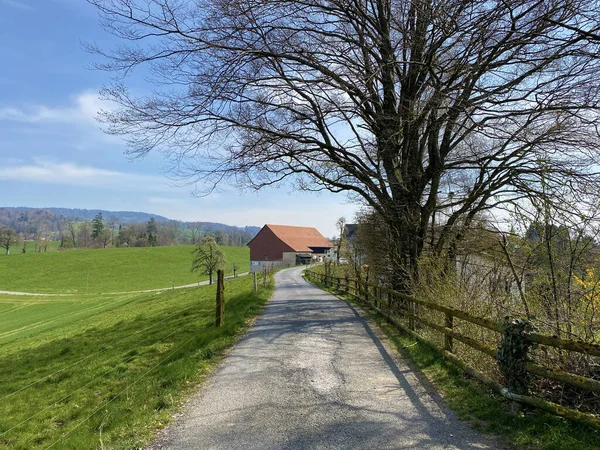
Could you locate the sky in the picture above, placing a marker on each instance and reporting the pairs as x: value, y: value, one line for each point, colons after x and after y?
x: 53, y: 151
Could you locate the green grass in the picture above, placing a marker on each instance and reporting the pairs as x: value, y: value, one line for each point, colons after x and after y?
x: 481, y: 408
x: 106, y: 371
x: 107, y: 270
x: 24, y: 316
x: 51, y: 246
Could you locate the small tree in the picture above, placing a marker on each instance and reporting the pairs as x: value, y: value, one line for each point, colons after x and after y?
x: 84, y: 234
x: 8, y: 237
x: 97, y: 225
x: 341, y: 225
x: 70, y: 230
x: 127, y: 236
x: 152, y: 230
x: 208, y: 257
x: 105, y: 237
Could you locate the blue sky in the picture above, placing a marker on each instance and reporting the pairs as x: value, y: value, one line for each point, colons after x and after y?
x: 53, y: 152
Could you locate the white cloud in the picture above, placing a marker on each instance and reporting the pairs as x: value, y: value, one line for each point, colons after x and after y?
x: 164, y: 201
x: 42, y: 171
x: 82, y: 109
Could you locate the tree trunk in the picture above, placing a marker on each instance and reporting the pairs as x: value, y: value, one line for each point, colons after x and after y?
x: 406, y: 248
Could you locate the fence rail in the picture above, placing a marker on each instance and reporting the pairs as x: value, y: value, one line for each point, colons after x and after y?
x: 392, y: 304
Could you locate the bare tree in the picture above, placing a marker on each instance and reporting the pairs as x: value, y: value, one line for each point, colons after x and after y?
x: 208, y: 257
x: 105, y: 237
x: 413, y: 107
x: 341, y: 226
x: 84, y: 234
x: 127, y: 236
x: 70, y: 228
x: 41, y: 236
x: 195, y: 233
x: 8, y: 238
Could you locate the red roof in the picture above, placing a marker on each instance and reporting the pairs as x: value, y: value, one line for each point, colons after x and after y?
x: 300, y: 239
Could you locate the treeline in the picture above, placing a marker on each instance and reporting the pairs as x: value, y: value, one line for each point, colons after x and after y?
x: 42, y: 226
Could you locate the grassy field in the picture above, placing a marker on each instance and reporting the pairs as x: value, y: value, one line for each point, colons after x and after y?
x: 107, y: 270
x: 51, y: 246
x: 104, y: 371
x: 482, y: 409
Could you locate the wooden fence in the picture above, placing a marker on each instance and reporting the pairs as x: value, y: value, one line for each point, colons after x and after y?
x: 394, y: 305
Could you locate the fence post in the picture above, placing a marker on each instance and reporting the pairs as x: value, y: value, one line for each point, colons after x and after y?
x: 338, y: 283
x: 411, y: 312
x: 220, y: 298
x: 448, y: 340
x: 389, y: 301
x: 255, y: 285
x: 346, y: 277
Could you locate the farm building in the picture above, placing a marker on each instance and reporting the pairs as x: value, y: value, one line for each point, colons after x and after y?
x: 288, y: 245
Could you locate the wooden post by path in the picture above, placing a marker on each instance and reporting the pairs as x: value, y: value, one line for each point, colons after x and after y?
x: 220, y: 298
x: 265, y: 277
x: 448, y: 341
x: 255, y: 285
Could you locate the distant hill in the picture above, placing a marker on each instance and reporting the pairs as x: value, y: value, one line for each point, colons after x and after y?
x: 23, y: 219
x: 122, y: 217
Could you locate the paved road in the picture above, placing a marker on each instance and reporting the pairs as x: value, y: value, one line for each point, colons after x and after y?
x: 312, y: 374
x: 185, y: 286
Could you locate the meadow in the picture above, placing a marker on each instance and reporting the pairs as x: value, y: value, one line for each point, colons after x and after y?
x: 49, y: 246
x: 104, y: 371
x: 93, y: 271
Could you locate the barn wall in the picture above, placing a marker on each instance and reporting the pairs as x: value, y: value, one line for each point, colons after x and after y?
x: 289, y: 258
x: 265, y: 243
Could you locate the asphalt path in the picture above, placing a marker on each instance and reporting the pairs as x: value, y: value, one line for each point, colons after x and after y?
x: 311, y: 373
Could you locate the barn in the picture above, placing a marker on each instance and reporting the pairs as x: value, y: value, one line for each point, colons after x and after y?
x: 288, y: 245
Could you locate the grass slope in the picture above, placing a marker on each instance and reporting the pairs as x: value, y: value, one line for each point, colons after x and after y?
x: 107, y: 270
x: 25, y: 316
x: 481, y: 408
x: 109, y: 378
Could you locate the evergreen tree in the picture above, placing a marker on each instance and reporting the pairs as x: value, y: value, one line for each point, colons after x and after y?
x: 152, y: 230
x: 97, y: 225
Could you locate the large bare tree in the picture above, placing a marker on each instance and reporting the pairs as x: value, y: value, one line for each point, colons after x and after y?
x: 415, y: 107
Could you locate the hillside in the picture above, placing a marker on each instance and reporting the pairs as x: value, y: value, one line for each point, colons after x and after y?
x: 26, y: 219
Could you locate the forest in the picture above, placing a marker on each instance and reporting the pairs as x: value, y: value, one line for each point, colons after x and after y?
x: 75, y: 228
